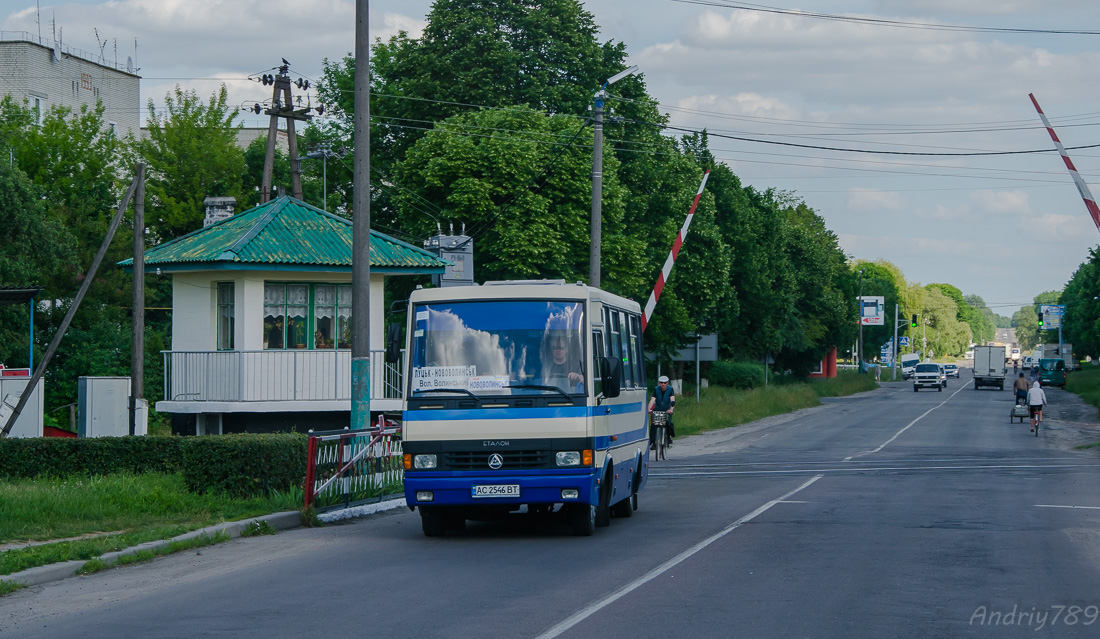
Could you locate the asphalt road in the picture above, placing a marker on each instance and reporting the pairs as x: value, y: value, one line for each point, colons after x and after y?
x: 888, y: 514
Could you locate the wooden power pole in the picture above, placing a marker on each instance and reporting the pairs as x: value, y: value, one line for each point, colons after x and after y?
x: 282, y: 106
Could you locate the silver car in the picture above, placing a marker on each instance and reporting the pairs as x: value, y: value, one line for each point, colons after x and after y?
x: 952, y: 370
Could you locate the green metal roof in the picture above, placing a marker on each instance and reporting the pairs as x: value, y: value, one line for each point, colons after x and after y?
x: 285, y: 234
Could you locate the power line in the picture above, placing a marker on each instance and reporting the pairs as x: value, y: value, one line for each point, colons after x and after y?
x: 881, y: 22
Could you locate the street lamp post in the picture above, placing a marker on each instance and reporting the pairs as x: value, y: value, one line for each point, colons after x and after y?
x: 324, y: 152
x: 597, y: 177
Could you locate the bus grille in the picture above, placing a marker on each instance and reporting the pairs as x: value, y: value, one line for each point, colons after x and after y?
x: 513, y: 460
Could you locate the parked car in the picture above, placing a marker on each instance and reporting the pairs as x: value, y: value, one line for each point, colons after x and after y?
x: 952, y: 370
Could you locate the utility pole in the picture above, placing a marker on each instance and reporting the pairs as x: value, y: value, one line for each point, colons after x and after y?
x: 360, y: 240
x: 25, y: 396
x: 282, y: 106
x: 859, y: 349
x: 137, y: 324
x: 597, y: 178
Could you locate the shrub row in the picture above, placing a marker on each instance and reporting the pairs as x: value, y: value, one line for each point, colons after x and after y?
x: 241, y: 465
x: 741, y: 375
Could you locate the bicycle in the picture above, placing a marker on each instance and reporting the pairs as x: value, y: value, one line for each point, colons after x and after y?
x: 1035, y: 419
x: 658, y: 419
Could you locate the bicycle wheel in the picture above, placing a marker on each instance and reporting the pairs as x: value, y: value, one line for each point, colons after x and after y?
x: 661, y: 440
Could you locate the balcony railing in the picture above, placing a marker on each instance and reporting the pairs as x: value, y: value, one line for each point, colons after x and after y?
x: 266, y: 376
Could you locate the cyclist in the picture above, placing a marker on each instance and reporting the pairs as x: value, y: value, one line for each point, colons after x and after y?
x: 664, y: 399
x: 1036, y: 399
x: 1021, y: 387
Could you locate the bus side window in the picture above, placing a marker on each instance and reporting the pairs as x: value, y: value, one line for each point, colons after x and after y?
x: 614, y: 335
x: 636, y: 352
x: 597, y: 357
x: 628, y: 350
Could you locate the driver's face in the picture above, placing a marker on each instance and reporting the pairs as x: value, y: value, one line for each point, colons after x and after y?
x: 557, y: 349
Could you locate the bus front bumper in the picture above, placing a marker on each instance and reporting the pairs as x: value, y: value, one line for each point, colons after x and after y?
x: 501, y: 489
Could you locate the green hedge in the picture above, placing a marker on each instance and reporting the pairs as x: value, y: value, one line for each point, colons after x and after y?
x: 244, y: 465
x: 58, y: 457
x: 240, y: 465
x: 736, y: 374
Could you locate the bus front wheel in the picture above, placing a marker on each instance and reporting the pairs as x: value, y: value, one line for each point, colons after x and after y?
x: 432, y: 522
x: 583, y: 519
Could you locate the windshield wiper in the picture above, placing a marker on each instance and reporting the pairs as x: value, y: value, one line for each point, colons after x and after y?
x: 540, y: 387
x: 447, y: 390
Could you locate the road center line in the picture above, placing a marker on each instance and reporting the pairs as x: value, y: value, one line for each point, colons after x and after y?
x: 1074, y: 507
x: 898, y: 434
x: 589, y: 610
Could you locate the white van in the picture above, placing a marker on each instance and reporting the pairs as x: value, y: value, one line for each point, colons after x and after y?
x: 908, y: 362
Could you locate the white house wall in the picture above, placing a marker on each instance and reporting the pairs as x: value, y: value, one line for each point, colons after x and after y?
x: 193, y: 310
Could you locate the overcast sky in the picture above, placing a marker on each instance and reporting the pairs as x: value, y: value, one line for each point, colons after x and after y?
x: 1003, y: 227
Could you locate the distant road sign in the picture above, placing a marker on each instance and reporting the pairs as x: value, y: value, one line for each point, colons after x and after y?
x: 903, y: 341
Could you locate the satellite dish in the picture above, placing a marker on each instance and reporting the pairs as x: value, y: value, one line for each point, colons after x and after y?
x: 129, y: 64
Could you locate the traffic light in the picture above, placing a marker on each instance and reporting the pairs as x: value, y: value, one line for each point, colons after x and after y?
x: 914, y: 323
x: 1040, y: 320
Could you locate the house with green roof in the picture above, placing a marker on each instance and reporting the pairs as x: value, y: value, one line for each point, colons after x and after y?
x: 261, y: 320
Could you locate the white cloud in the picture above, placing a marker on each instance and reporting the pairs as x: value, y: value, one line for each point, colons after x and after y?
x: 1011, y: 202
x: 864, y: 200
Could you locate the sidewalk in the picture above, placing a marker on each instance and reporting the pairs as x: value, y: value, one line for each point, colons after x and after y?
x: 277, y: 521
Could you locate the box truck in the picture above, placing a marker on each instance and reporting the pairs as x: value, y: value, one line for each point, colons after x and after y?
x: 989, y: 366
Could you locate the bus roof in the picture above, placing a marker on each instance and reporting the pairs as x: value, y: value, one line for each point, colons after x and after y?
x: 523, y: 289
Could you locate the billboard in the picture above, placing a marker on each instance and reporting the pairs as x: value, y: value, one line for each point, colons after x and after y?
x: 1052, y: 315
x: 871, y: 310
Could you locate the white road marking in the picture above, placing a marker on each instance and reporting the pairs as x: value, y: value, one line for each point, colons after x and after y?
x: 588, y: 611
x: 865, y: 469
x: 1074, y: 507
x: 897, y: 434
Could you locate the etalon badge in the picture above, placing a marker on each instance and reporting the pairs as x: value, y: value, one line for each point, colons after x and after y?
x: 496, y: 461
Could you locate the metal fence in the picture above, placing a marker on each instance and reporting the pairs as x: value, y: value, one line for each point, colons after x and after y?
x: 353, y: 467
x: 256, y: 376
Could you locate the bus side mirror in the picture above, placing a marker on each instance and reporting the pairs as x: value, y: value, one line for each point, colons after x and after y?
x: 611, y: 373
x: 393, y: 343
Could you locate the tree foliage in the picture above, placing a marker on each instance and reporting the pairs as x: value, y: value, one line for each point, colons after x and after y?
x: 191, y: 153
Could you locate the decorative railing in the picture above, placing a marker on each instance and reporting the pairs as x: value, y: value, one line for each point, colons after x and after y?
x: 265, y: 376
x: 349, y: 468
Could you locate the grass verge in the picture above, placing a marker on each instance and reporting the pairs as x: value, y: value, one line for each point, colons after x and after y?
x: 725, y: 407
x: 110, y: 513
x: 1085, y: 383
x: 96, y: 565
x: 8, y: 587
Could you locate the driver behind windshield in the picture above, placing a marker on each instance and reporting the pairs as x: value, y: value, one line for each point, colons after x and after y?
x: 561, y: 361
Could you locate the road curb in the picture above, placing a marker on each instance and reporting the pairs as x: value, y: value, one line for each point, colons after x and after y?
x: 56, y: 572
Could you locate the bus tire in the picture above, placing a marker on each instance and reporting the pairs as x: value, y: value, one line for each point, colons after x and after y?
x: 582, y: 517
x: 603, y: 512
x: 432, y: 522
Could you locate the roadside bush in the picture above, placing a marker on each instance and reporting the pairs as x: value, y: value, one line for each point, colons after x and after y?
x: 741, y: 375
x: 57, y: 457
x: 245, y: 465
x: 240, y: 465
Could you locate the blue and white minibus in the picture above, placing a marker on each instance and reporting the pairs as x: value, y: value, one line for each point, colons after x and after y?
x: 523, y: 394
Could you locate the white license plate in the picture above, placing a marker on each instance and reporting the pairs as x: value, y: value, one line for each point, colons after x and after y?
x: 496, y: 490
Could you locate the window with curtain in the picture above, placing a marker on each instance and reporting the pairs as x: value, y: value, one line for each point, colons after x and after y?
x: 274, y: 316
x: 307, y: 316
x: 226, y: 316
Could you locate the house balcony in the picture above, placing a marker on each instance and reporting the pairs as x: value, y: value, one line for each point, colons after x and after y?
x: 273, y: 381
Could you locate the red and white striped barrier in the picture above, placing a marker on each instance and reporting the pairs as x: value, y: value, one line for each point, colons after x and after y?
x: 667, y: 268
x: 1082, y: 188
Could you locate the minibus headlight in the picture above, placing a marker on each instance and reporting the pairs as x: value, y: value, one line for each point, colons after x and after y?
x: 425, y: 495
x: 424, y: 462
x: 568, y: 458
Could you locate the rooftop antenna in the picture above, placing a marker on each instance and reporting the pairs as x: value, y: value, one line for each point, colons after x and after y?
x: 38, y: 19
x: 102, y: 45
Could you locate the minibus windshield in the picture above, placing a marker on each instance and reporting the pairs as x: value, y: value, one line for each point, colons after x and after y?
x: 499, y: 347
